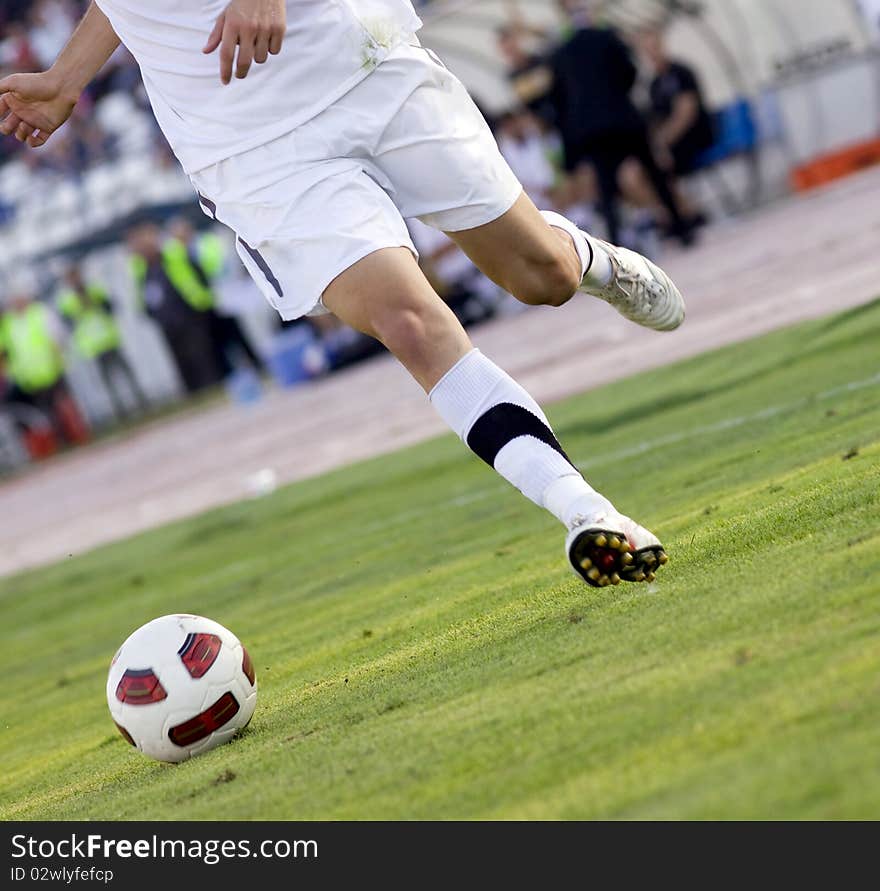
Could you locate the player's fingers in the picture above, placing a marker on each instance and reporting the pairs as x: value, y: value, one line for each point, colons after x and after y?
x: 261, y: 49
x: 216, y: 35
x: 23, y: 131
x: 38, y: 139
x: 245, y: 56
x: 276, y: 39
x: 227, y: 54
x: 10, y: 125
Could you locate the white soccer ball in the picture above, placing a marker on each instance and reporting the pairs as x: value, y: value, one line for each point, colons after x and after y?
x: 179, y: 686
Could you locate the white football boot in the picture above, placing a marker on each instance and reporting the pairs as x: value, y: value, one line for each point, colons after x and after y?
x: 609, y: 548
x: 639, y: 290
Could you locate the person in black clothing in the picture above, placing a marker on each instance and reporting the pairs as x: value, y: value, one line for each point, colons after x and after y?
x: 682, y: 123
x: 229, y: 338
x: 593, y: 75
x: 188, y: 331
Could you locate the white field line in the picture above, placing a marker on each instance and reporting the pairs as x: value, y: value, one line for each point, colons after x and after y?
x: 642, y: 448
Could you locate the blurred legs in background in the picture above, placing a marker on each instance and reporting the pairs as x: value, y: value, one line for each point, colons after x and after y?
x: 608, y: 156
x: 192, y: 346
x: 231, y: 342
x: 51, y: 416
x: 113, y: 366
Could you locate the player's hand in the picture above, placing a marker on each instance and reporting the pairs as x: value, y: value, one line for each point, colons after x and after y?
x: 255, y: 28
x: 33, y: 107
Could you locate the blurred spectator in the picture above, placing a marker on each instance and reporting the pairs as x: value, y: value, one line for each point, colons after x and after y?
x: 682, y: 125
x: 31, y: 338
x: 16, y: 51
x: 528, y: 152
x: 13, y: 10
x: 96, y: 336
x: 51, y: 23
x: 178, y: 301
x: 593, y: 75
x: 206, y: 257
x: 110, y: 120
x: 529, y: 74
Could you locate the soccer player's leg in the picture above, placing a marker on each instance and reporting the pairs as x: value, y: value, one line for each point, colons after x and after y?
x: 442, y: 163
x: 386, y: 296
x: 543, y: 258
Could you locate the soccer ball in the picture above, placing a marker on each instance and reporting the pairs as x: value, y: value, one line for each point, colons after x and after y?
x: 179, y: 686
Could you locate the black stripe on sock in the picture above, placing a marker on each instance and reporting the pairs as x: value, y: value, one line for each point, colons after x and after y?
x: 502, y: 424
x: 592, y: 257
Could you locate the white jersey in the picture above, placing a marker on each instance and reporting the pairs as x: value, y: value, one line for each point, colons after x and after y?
x: 330, y: 46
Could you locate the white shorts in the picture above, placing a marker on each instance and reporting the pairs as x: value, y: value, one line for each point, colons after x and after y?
x: 407, y: 141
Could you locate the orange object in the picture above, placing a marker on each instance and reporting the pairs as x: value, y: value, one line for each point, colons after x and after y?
x: 71, y: 419
x: 827, y: 168
x: 40, y: 443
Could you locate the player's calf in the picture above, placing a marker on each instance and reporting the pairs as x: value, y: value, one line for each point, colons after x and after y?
x: 522, y: 254
x: 550, y: 277
x: 543, y: 259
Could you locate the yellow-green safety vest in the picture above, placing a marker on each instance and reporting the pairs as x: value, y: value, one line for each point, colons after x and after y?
x: 33, y: 360
x: 211, y: 254
x: 95, y: 331
x: 180, y: 271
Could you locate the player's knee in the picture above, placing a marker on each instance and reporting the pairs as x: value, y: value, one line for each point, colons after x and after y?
x: 549, y: 281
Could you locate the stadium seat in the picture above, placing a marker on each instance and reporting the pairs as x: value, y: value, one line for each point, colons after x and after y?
x: 736, y: 134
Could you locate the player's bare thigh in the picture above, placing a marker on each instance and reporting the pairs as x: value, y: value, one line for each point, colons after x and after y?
x: 522, y: 253
x: 387, y: 296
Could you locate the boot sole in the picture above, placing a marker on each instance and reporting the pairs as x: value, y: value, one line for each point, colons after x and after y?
x: 604, y: 557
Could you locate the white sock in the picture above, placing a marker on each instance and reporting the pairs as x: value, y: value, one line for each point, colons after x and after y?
x: 595, y: 263
x: 505, y: 427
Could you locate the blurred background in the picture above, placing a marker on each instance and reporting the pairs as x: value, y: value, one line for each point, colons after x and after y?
x: 652, y: 122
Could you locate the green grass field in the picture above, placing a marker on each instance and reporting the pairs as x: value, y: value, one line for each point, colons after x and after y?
x: 424, y: 652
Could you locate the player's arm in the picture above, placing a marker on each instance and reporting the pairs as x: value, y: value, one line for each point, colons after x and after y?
x: 247, y: 31
x: 34, y: 106
x: 685, y: 111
